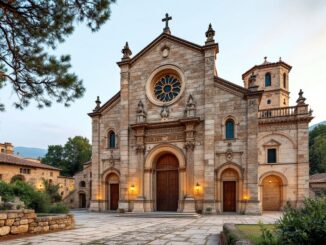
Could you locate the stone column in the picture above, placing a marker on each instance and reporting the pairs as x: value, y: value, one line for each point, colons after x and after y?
x: 96, y: 166
x: 210, y: 52
x: 189, y: 202
x: 251, y: 176
x: 124, y: 135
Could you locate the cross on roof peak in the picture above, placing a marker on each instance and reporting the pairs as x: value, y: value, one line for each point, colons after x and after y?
x: 166, y: 20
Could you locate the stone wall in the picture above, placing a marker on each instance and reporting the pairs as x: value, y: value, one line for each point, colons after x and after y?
x: 25, y: 221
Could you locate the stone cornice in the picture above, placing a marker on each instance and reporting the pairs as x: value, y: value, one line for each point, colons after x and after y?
x: 268, y: 65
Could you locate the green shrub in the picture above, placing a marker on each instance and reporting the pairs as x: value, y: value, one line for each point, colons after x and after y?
x: 306, y: 225
x: 40, y: 202
x: 58, y: 208
x: 267, y: 236
x: 6, y: 192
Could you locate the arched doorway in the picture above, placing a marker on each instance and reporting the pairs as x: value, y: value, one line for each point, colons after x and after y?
x: 112, y: 192
x: 82, y: 200
x: 272, y: 193
x: 167, y: 183
x: 17, y: 177
x: 229, y: 189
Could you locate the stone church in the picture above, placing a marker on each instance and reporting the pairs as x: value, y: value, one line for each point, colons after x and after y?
x: 178, y: 137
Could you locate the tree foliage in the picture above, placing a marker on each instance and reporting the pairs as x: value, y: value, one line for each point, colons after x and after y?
x: 52, y: 190
x: 28, y: 29
x: 317, y: 149
x: 70, y: 157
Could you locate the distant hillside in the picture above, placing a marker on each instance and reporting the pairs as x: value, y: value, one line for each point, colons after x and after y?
x: 29, y: 152
x: 315, y: 125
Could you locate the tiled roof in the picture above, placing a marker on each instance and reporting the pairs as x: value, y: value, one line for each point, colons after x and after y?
x: 316, y: 178
x: 14, y: 160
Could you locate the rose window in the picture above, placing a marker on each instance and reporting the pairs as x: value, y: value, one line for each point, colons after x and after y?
x: 167, y: 88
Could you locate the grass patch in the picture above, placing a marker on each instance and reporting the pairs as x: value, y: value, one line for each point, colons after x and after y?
x: 253, y: 232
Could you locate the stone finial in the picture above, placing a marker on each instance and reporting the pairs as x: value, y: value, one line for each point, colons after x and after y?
x: 210, y: 33
x: 126, y: 52
x: 301, y: 100
x: 280, y: 59
x: 165, y: 111
x: 141, y: 114
x: 166, y: 20
x: 190, y: 107
x: 265, y: 60
x: 310, y: 112
x: 98, y: 103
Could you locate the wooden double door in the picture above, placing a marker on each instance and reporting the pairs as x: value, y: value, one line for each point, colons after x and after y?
x: 167, y: 183
x: 229, y: 196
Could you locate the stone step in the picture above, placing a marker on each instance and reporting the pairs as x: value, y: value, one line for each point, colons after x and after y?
x: 159, y: 215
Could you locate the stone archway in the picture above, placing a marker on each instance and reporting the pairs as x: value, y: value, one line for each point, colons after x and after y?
x: 272, y: 193
x: 112, y: 191
x: 150, y: 175
x: 167, y: 183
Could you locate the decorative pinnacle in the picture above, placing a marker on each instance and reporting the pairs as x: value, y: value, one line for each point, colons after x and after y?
x: 301, y: 99
x: 210, y: 33
x: 166, y: 20
x: 126, y: 52
x: 98, y: 103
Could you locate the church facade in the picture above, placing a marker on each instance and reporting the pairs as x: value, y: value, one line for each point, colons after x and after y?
x: 178, y: 137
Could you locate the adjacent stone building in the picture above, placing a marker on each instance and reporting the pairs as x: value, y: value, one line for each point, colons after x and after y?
x: 317, y: 183
x: 178, y: 137
x: 33, y: 171
x: 81, y: 196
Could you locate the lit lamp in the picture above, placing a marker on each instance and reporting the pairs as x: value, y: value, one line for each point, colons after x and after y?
x: 132, y: 188
x: 197, y: 188
x: 245, y: 197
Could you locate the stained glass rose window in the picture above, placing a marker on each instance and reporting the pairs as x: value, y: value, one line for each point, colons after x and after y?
x: 167, y: 88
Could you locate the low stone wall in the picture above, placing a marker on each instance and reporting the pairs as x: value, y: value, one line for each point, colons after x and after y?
x: 25, y: 221
x: 230, y: 236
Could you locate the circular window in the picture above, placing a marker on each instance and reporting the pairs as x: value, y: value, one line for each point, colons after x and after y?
x: 167, y: 88
x: 165, y: 85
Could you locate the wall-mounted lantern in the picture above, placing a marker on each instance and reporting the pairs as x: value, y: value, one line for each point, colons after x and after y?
x: 197, y: 188
x: 132, y: 188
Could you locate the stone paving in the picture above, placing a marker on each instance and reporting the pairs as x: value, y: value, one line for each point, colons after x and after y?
x: 106, y: 228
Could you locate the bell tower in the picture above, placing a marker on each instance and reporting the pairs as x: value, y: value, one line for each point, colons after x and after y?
x: 273, y: 78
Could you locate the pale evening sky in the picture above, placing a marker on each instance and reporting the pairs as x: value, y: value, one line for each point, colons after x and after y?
x: 245, y: 30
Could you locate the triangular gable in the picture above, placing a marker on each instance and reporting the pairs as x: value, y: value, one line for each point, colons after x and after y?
x: 172, y: 38
x: 272, y: 143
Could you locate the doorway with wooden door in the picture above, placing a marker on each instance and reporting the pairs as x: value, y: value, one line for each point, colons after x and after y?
x: 112, y: 192
x: 272, y: 193
x: 229, y: 190
x: 229, y: 196
x: 167, y: 183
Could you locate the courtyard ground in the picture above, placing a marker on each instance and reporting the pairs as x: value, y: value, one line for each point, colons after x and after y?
x: 107, y: 228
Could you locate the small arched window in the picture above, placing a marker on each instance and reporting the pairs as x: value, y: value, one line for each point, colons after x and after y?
x: 229, y: 129
x: 111, y: 140
x: 268, y: 80
x: 269, y: 102
x: 284, y: 80
x: 82, y: 184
